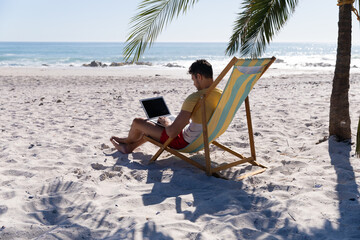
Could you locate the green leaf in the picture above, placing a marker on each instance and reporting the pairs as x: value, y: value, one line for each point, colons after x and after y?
x: 257, y: 24
x: 148, y: 23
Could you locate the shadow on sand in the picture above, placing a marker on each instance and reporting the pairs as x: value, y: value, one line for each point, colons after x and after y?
x: 347, y: 191
x: 199, y: 197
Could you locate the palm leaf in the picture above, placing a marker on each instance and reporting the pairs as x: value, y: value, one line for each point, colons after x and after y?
x: 151, y: 19
x: 357, y: 1
x: 257, y: 24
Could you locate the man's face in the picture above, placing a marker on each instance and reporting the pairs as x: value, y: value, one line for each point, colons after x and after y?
x: 196, y: 79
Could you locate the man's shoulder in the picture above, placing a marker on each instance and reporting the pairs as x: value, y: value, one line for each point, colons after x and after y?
x: 196, y: 95
x: 218, y: 90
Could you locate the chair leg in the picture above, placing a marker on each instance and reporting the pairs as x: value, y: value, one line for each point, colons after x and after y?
x: 244, y: 160
x: 205, y: 137
x: 250, y: 129
x: 255, y: 163
x: 207, y: 160
x: 162, y: 148
x: 252, y: 174
x: 156, y: 155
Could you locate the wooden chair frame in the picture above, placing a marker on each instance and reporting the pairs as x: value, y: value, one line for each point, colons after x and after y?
x: 208, y: 168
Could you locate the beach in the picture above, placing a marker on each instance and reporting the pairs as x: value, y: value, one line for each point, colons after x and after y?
x: 61, y: 178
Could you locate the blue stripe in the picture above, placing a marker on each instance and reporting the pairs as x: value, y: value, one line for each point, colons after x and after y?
x: 226, y: 86
x: 246, y: 63
x: 228, y: 105
x: 259, y: 62
x: 226, y: 110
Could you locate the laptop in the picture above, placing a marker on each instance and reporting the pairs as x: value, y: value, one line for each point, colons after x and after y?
x: 156, y: 107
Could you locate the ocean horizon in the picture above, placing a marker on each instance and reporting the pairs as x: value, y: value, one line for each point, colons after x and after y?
x: 164, y: 54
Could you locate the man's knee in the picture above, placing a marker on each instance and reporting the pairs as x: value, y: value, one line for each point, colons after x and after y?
x: 138, y: 122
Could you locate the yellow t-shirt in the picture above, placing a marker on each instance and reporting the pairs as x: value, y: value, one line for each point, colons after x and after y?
x: 194, y: 129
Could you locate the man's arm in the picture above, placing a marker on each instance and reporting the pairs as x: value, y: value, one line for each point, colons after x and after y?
x: 180, y: 122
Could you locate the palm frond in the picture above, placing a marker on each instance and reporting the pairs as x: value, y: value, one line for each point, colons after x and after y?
x: 151, y: 19
x: 257, y: 24
x: 358, y: 4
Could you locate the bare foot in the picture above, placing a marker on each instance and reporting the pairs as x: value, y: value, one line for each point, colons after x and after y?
x: 118, y: 140
x: 121, y: 147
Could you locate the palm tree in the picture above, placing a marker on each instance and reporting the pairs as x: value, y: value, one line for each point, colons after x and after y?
x: 339, y: 123
x: 254, y: 29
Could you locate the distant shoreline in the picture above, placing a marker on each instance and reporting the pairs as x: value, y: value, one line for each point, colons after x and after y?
x: 161, y: 42
x: 305, y: 56
x: 146, y: 72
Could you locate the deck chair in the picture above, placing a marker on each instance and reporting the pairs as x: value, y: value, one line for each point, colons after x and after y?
x: 245, y: 73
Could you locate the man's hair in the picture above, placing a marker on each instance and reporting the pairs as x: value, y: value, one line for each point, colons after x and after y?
x: 202, y: 67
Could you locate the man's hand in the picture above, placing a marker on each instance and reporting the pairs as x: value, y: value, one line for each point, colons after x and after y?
x: 164, y: 121
x: 180, y: 122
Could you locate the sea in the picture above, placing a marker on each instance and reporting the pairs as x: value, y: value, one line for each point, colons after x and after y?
x: 76, y: 54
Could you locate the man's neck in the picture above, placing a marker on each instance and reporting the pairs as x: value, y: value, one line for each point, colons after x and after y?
x: 207, y: 83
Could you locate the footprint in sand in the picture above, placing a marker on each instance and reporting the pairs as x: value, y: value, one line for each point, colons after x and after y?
x: 98, y: 166
x: 18, y: 173
x: 104, y: 146
x: 109, y: 175
x: 3, y: 209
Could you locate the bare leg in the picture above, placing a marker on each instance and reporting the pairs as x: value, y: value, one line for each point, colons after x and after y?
x: 127, y: 148
x: 139, y: 128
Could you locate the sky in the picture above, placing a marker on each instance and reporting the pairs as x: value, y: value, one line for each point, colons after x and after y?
x: 108, y: 21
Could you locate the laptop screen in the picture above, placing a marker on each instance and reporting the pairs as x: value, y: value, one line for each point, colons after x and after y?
x: 155, y: 107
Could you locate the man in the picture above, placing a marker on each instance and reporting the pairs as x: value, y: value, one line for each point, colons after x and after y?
x: 181, y: 130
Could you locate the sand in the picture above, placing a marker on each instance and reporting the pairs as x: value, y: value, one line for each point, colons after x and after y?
x: 61, y: 179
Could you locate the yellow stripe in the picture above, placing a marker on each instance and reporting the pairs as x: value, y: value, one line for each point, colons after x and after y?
x: 217, y: 114
x: 232, y: 109
x: 262, y: 64
x: 253, y: 62
x: 212, y: 125
x: 240, y: 62
x: 224, y: 100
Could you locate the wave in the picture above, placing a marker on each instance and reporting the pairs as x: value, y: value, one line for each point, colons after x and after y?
x: 289, y: 55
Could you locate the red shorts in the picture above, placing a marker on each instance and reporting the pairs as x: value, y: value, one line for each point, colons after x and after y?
x: 177, y: 143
